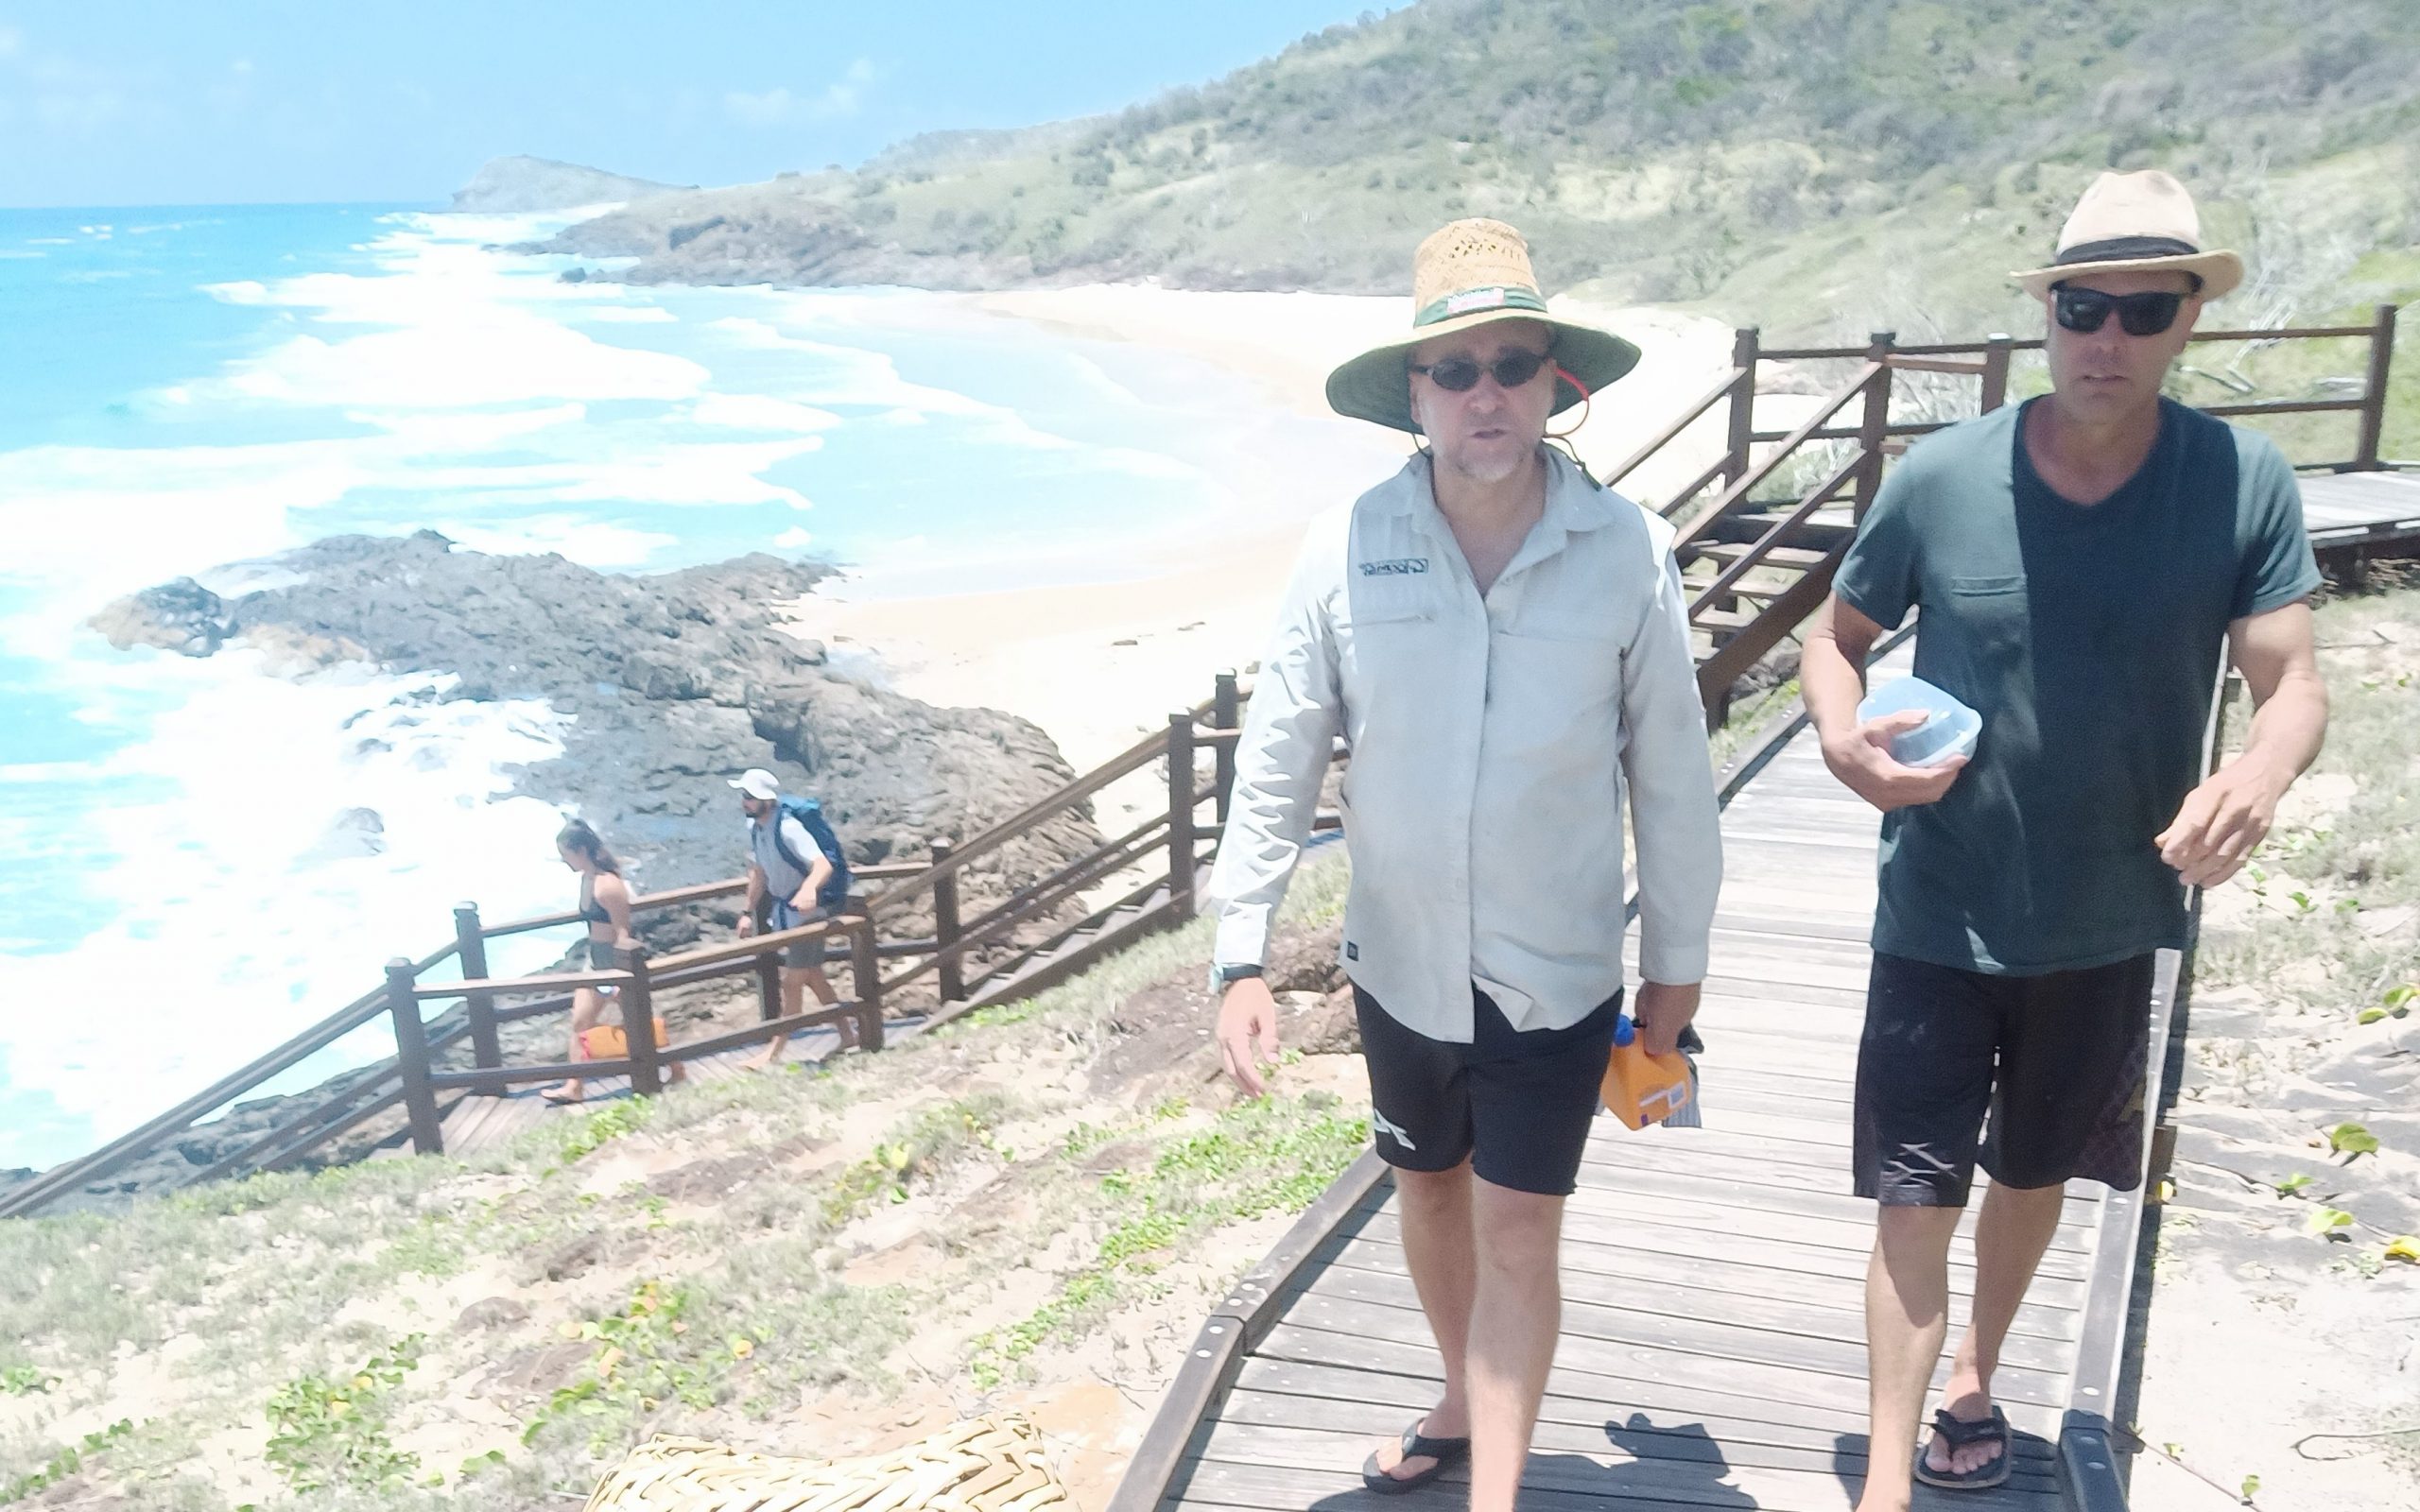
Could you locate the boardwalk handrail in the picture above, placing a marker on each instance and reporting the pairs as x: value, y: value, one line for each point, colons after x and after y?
x: 408, y: 1077
x: 2111, y: 1341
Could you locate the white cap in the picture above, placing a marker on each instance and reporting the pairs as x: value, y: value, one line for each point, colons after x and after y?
x: 758, y: 782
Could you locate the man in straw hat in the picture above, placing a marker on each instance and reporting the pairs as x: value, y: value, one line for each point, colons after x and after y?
x: 2079, y: 561
x: 1503, y: 643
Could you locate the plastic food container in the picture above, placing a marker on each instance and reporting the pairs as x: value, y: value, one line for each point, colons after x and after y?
x: 1949, y: 732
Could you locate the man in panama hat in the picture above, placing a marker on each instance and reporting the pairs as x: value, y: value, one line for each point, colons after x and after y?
x: 1504, y: 647
x: 2079, y: 561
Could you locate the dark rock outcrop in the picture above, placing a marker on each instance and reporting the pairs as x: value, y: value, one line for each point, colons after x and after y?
x: 673, y: 682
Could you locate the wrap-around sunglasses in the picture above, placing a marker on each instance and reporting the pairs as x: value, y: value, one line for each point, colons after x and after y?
x: 2087, y: 310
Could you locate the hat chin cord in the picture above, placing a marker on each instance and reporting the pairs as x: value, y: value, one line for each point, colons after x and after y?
x: 1563, y: 437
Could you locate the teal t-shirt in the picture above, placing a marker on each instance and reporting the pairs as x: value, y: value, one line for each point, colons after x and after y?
x: 2088, y: 638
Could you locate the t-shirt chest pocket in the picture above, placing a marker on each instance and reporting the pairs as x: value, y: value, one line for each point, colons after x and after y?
x: 1992, y: 612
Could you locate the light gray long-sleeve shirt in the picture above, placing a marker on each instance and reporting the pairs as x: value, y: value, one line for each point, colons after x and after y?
x: 1493, y: 742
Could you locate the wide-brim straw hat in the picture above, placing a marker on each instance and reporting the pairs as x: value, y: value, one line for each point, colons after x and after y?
x: 1473, y: 273
x: 2135, y: 223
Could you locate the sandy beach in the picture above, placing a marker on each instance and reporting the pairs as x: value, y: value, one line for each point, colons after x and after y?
x: 1099, y: 662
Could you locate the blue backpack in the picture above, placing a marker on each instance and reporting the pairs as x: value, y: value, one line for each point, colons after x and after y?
x: 809, y: 815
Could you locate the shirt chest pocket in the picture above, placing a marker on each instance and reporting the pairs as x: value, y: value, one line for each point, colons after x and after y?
x: 1555, y: 673
x: 1992, y: 613
x: 1388, y: 623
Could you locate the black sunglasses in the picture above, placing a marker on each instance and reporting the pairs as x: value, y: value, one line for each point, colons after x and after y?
x: 1460, y: 375
x: 2087, y: 310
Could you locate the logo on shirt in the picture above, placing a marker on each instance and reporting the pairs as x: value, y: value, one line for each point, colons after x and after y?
x: 1395, y: 567
x: 1392, y: 1129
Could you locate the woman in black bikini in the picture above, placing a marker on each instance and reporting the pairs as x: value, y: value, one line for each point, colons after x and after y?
x: 605, y: 904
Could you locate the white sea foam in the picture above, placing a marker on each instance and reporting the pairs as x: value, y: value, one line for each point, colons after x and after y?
x: 229, y: 924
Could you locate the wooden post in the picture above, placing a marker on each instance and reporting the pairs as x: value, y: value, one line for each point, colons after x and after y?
x: 471, y: 949
x: 638, y: 1022
x: 1743, y: 405
x: 1995, y: 356
x: 768, y: 985
x: 1873, y: 430
x: 1226, y: 711
x: 2365, y: 456
x: 1181, y: 814
x: 951, y: 967
x: 866, y: 965
x: 411, y: 1059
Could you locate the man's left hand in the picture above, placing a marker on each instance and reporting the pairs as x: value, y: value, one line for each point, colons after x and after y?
x: 1664, y: 1011
x: 2221, y: 822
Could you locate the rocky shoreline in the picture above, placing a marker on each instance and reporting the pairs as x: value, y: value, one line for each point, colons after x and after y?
x: 672, y: 683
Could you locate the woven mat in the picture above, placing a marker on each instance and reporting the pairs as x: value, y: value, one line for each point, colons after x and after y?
x: 989, y: 1464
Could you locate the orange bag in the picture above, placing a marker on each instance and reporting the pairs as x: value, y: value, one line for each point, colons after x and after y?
x: 606, y: 1041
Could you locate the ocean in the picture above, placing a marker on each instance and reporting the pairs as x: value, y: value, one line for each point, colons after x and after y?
x: 190, y: 391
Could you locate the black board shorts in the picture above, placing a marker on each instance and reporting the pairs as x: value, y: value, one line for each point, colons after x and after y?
x: 2040, y: 1077
x: 1517, y: 1104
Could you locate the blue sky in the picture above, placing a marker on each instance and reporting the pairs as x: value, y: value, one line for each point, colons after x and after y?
x: 109, y: 102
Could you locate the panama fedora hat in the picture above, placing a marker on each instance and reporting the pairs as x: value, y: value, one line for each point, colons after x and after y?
x: 2135, y: 223
x: 1474, y: 273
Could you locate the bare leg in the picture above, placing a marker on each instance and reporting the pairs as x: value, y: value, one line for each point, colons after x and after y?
x: 1514, y: 1323
x: 587, y: 1007
x: 1441, y: 1251
x: 1906, y: 1316
x: 2011, y: 1233
x: 793, y: 996
x: 822, y: 987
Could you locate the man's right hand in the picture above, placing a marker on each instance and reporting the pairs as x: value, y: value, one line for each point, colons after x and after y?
x: 747, y: 924
x: 1861, y: 760
x: 1248, y: 1032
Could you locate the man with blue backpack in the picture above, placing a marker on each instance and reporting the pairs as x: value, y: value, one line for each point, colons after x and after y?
x: 796, y: 861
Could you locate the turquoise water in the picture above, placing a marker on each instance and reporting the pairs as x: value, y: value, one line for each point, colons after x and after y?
x: 190, y: 388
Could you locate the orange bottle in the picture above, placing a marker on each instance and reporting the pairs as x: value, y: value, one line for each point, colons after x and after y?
x: 1641, y: 1089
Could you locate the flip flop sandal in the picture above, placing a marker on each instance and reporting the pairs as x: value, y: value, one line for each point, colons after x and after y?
x: 1956, y: 1433
x: 1444, y: 1451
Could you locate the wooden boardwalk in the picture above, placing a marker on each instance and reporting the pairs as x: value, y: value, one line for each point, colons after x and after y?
x: 1713, y: 1347
x: 2356, y: 510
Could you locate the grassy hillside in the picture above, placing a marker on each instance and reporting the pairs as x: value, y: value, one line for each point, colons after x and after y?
x: 1774, y: 159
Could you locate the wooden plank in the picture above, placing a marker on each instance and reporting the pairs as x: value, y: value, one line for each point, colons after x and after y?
x: 1853, y: 1232
x: 1591, y: 1303
x: 1626, y: 1178
x: 1670, y: 1450
x: 1576, y: 1461
x: 1777, y: 1254
x: 1280, y: 1391
x: 1682, y: 1152
x: 2049, y: 1311
x: 1767, y: 1365
x: 1550, y: 1484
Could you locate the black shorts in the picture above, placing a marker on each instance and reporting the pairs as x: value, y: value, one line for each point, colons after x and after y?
x: 1516, y: 1104
x: 2055, y: 1061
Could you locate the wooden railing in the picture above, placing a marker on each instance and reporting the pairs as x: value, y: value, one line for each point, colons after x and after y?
x: 1151, y: 870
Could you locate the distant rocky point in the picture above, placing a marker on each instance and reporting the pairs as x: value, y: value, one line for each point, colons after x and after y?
x: 518, y: 184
